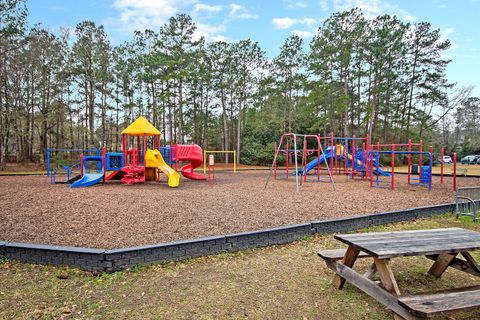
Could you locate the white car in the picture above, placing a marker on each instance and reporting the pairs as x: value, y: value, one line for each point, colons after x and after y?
x: 447, y: 160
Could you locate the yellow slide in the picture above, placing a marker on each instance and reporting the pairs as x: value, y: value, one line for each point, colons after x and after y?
x: 154, y: 159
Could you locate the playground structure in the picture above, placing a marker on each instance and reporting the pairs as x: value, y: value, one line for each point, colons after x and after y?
x: 321, y: 156
x: 424, y: 172
x: 345, y: 155
x: 137, y: 163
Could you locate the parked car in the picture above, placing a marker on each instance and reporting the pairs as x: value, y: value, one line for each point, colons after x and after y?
x: 470, y: 159
x: 447, y: 160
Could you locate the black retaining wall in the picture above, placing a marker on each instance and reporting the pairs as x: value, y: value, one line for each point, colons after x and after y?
x: 118, y: 259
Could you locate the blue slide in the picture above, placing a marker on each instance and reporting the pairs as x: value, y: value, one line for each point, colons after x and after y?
x: 380, y: 170
x: 313, y: 164
x: 88, y: 179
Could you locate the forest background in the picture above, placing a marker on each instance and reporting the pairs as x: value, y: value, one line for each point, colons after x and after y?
x: 382, y: 77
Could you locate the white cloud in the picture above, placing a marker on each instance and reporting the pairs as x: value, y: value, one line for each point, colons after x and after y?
x: 234, y: 8
x: 373, y: 8
x: 442, y: 6
x: 445, y: 34
x: 287, y: 23
x: 409, y: 18
x: 209, y: 32
x: 199, y: 7
x: 448, y: 31
x: 324, y: 5
x: 223, y: 38
x: 152, y: 14
x: 308, y: 21
x: 295, y: 4
x: 143, y: 14
x: 302, y: 33
x: 240, y: 12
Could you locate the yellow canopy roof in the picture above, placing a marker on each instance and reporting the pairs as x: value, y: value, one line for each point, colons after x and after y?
x: 141, y: 127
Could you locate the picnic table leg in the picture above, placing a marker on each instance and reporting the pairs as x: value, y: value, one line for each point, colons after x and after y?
x: 388, y: 279
x: 441, y: 264
x: 348, y: 260
x: 386, y: 276
x: 371, y: 271
x: 471, y: 261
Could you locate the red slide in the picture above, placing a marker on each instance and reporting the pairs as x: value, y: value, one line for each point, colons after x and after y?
x: 194, y: 154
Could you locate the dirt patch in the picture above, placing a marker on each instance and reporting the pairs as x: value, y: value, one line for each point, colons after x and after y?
x: 24, y: 167
x: 115, y: 215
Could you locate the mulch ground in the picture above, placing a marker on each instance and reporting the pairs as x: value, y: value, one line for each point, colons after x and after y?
x: 115, y: 215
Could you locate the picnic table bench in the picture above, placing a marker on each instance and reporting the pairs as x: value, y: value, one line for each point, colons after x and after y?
x: 443, y: 246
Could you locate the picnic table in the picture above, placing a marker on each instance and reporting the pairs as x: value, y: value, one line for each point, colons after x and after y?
x: 443, y: 246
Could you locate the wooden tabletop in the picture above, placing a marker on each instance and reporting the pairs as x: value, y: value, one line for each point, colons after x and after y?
x: 384, y: 245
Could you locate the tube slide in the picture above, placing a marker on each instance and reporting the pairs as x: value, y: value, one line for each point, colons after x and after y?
x: 194, y: 154
x: 154, y: 159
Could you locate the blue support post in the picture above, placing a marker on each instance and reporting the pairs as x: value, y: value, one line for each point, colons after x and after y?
x: 430, y: 180
x: 47, y: 160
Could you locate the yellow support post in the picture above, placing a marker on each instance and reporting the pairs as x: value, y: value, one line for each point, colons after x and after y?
x: 204, y: 162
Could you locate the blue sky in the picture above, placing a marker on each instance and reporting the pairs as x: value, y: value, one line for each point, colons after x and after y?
x: 270, y: 22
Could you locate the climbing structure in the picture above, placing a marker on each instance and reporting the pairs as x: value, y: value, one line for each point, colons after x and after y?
x: 353, y: 156
x: 141, y: 163
x: 136, y: 163
x: 292, y: 140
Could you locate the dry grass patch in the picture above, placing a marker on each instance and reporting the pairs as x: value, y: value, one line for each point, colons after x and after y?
x: 279, y: 282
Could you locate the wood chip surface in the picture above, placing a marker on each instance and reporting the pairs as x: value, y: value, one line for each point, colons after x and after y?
x: 115, y: 215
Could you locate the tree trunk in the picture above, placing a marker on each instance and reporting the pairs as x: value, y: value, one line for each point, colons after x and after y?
x: 91, y: 119
x: 225, y: 124
x: 180, y: 110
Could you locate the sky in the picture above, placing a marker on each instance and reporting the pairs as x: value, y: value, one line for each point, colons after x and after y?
x: 271, y: 22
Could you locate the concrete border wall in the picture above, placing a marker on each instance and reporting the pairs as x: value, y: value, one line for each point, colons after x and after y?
x: 118, y: 259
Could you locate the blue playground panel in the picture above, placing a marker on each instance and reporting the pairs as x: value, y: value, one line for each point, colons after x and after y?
x: 425, y: 174
x: 114, y: 161
x: 167, y: 155
x: 98, y: 164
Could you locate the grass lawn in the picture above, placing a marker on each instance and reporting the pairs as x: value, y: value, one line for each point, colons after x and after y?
x: 279, y: 282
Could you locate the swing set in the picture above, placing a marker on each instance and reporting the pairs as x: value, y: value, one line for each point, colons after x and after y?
x: 292, y: 138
